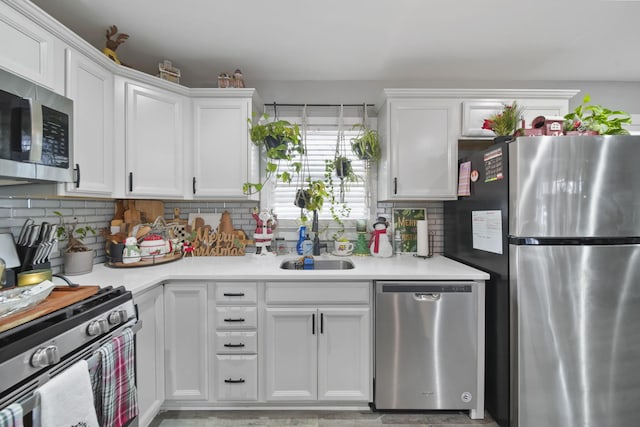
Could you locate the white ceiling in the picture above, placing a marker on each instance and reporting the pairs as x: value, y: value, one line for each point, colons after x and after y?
x: 393, y: 40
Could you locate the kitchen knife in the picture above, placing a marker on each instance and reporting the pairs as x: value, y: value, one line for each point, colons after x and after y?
x: 24, y: 232
x: 33, y: 235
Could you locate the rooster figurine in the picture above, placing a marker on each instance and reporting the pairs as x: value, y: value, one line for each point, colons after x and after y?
x: 112, y: 45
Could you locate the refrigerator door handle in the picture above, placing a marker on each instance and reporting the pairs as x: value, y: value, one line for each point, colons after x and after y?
x: 426, y: 297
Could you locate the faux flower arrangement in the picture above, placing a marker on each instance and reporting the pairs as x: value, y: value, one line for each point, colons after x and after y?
x: 505, y: 122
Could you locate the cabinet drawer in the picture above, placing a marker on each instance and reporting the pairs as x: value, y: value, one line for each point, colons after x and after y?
x: 318, y: 292
x: 236, y: 293
x: 236, y: 342
x: 236, y: 318
x: 236, y: 377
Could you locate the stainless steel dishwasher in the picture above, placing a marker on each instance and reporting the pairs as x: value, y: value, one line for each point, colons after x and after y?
x: 426, y: 345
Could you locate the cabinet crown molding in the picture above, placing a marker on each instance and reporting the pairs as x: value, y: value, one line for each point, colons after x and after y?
x: 477, y: 94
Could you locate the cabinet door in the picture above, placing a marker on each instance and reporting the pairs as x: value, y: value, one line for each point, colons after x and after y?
x: 291, y: 353
x: 221, y: 152
x: 91, y: 88
x: 150, y: 354
x: 475, y: 112
x: 344, y: 351
x: 186, y: 346
x: 29, y: 50
x: 422, y: 150
x: 154, y: 138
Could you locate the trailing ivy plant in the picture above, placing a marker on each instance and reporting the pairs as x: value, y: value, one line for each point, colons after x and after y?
x: 282, y: 143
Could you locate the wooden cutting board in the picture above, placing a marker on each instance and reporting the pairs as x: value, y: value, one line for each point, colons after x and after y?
x: 60, y: 297
x: 150, y: 209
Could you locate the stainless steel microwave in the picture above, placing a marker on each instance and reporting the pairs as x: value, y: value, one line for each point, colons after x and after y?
x: 36, y: 127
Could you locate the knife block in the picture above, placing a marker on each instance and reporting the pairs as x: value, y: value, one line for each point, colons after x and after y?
x: 26, y: 254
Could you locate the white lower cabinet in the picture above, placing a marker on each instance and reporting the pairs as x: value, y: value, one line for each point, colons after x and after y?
x: 150, y: 354
x: 237, y: 377
x: 236, y: 342
x: 186, y: 331
x: 318, y: 352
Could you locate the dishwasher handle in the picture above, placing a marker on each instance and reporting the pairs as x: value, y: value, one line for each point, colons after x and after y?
x: 426, y: 297
x: 424, y: 288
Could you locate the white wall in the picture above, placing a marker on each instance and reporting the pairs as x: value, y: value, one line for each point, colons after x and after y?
x: 615, y: 95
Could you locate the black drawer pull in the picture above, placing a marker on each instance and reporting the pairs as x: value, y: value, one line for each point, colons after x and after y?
x: 239, y: 319
x: 234, y: 345
x: 230, y: 381
x: 241, y: 294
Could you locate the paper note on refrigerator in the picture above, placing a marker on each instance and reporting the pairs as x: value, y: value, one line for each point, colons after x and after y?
x: 464, y: 186
x: 486, y: 227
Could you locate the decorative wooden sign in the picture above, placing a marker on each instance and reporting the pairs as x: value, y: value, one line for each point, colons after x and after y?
x: 207, y: 243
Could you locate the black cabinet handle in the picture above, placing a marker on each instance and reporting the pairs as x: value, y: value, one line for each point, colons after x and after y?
x: 240, y: 294
x: 234, y: 345
x: 239, y: 319
x: 322, y: 323
x: 77, y: 169
x: 395, y: 185
x: 130, y: 182
x: 230, y: 381
x: 313, y: 324
x: 194, y: 185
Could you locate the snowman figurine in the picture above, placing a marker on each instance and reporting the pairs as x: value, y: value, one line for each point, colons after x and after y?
x: 131, y: 252
x: 379, y: 244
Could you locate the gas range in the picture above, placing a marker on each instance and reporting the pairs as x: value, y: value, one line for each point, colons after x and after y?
x: 35, y: 351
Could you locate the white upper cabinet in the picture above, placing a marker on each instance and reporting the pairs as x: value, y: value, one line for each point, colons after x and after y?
x: 29, y: 50
x: 90, y: 86
x: 223, y: 156
x: 419, y: 148
x: 534, y: 103
x: 154, y: 139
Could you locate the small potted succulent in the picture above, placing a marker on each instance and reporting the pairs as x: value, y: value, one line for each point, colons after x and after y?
x: 595, y: 120
x: 78, y: 257
x: 282, y: 142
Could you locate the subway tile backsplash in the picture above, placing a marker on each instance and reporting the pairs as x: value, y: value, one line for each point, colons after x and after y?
x: 98, y: 214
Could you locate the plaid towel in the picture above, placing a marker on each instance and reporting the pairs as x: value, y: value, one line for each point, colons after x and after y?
x: 11, y: 416
x: 113, y: 380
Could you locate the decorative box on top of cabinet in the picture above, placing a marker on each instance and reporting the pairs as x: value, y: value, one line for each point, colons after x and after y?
x: 224, y: 158
x: 419, y: 146
x: 236, y: 341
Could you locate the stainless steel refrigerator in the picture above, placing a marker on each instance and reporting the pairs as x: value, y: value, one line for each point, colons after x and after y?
x: 556, y: 223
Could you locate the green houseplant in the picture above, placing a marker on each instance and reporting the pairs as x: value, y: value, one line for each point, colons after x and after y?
x: 504, y: 123
x: 366, y: 145
x: 597, y: 119
x: 282, y: 143
x: 78, y: 257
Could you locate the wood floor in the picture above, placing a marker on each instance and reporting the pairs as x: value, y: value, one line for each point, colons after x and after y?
x: 317, y: 419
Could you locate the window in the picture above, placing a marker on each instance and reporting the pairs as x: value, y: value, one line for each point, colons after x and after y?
x: 321, y: 146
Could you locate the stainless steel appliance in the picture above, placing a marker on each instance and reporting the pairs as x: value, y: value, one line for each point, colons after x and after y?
x: 34, y: 352
x: 426, y: 346
x: 555, y: 221
x: 35, y: 132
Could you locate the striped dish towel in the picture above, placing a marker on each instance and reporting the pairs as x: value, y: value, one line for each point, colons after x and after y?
x: 11, y: 416
x: 113, y: 381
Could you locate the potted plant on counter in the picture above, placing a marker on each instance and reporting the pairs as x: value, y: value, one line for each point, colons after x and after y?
x: 78, y: 257
x: 282, y: 143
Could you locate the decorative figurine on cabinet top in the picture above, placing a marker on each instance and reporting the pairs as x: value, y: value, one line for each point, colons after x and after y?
x: 112, y: 45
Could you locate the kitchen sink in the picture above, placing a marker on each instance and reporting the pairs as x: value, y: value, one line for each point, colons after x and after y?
x: 318, y: 264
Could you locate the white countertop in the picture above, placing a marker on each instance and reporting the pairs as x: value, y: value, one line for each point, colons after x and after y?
x: 266, y: 267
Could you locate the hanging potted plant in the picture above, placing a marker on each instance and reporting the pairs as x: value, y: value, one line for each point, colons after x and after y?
x: 282, y: 143
x: 366, y: 146
x: 78, y: 257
